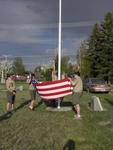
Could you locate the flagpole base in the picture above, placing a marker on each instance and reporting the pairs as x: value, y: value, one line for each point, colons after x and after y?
x: 58, y: 107
x: 59, y: 101
x: 68, y: 108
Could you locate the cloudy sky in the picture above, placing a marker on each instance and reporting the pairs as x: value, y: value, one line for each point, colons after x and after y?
x: 29, y: 28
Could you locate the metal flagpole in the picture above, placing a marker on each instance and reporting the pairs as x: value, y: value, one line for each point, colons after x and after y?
x: 59, y: 47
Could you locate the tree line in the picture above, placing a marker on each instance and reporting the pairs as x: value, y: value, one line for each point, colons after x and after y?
x: 95, y: 56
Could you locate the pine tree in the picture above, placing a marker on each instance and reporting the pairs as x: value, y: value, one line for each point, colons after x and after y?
x: 82, y: 60
x: 100, y: 49
x: 94, y: 51
x: 107, y: 45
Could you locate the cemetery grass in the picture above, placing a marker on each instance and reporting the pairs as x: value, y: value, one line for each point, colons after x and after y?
x: 48, y: 130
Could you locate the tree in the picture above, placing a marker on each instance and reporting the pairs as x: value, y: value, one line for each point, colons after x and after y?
x: 107, y: 45
x: 48, y: 74
x: 82, y: 61
x: 5, y: 68
x: 100, y: 49
x: 94, y: 51
x: 18, y: 66
x: 37, y: 72
x: 66, y: 66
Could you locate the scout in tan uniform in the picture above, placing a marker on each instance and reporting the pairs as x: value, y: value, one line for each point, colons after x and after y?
x: 77, y: 93
x: 11, y: 92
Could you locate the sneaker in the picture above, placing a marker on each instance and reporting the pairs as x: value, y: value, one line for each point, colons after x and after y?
x: 76, y: 117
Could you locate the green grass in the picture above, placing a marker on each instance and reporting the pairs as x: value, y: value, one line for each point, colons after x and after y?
x: 46, y: 130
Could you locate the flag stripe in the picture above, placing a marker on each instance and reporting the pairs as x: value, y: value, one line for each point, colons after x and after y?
x: 56, y: 96
x: 54, y: 89
x: 55, y: 93
x: 43, y: 86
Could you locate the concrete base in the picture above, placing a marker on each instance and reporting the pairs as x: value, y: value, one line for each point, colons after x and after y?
x: 60, y: 109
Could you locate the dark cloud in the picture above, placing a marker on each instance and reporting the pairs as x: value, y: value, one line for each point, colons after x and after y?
x: 83, y: 10
x: 46, y: 11
x: 30, y: 27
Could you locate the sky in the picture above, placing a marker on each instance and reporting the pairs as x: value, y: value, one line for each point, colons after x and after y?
x: 29, y: 28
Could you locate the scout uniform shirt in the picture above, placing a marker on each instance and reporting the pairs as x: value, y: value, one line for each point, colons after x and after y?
x: 77, y: 85
x: 10, y: 83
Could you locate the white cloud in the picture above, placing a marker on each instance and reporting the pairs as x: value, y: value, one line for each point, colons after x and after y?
x: 16, y: 12
x: 25, y: 11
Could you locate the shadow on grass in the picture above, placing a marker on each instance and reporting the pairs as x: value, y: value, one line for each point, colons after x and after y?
x: 22, y: 105
x: 9, y: 114
x: 109, y: 101
x: 39, y: 103
x: 70, y: 145
x: 65, y: 104
x: 54, y: 103
x: 48, y: 103
x: 5, y: 116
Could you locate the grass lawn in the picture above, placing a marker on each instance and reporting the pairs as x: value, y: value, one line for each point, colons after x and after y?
x: 47, y: 130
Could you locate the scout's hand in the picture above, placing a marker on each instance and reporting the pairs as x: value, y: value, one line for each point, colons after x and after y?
x: 14, y: 92
x: 70, y: 79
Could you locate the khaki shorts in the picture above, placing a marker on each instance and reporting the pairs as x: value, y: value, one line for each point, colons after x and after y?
x: 76, y: 98
x: 10, y: 97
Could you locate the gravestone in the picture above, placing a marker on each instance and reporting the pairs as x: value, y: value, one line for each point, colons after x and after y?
x: 95, y: 104
x: 20, y: 88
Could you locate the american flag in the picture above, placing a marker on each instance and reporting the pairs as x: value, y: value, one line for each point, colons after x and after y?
x: 54, y: 89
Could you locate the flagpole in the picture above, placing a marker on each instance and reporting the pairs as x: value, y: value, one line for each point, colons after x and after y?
x: 59, y: 47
